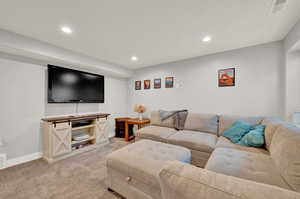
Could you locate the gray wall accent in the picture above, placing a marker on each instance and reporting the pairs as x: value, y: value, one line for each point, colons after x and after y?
x: 259, y: 86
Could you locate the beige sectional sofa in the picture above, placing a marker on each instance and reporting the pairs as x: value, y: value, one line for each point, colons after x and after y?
x: 228, y: 170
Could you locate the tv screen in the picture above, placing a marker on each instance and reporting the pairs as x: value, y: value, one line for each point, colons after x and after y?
x: 72, y: 86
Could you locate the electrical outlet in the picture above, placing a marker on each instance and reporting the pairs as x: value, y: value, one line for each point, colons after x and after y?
x: 2, y: 160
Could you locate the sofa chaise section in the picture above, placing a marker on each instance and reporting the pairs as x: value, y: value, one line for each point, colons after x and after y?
x: 185, y: 181
x: 257, y: 167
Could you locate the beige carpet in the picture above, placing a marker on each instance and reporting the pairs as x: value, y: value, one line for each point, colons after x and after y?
x: 78, y: 177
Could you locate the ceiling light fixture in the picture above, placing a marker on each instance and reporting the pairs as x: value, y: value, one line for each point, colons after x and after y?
x: 206, y: 39
x: 134, y: 58
x: 66, y: 29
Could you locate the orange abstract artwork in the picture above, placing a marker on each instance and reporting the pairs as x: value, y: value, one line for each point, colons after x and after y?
x: 226, y: 77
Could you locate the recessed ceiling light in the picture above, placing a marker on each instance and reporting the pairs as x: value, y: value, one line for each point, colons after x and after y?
x: 206, y: 39
x: 134, y: 58
x: 66, y: 29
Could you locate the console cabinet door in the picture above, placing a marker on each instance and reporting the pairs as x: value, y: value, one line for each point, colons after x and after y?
x: 101, y: 130
x: 61, y: 138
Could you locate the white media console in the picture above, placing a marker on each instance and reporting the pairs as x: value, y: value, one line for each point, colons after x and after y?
x: 58, y: 131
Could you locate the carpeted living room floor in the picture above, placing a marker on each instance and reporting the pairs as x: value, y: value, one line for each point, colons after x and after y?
x: 79, y: 177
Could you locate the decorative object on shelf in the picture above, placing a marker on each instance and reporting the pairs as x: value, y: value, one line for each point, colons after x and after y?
x: 169, y: 82
x: 140, y: 109
x: 226, y: 77
x: 147, y: 84
x: 157, y: 83
x: 138, y: 85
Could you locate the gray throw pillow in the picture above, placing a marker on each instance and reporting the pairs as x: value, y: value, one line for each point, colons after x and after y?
x: 180, y: 118
x: 166, y: 114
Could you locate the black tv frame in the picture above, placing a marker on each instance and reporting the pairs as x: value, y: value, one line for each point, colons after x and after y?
x: 73, y: 101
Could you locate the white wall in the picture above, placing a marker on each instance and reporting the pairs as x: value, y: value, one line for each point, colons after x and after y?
x: 292, y: 84
x: 21, y: 106
x: 259, y: 86
x: 23, y: 103
x: 292, y: 71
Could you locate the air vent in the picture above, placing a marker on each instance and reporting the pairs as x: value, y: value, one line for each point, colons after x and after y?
x: 2, y: 160
x: 278, y: 5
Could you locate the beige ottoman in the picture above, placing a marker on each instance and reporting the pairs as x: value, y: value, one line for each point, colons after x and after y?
x: 133, y: 170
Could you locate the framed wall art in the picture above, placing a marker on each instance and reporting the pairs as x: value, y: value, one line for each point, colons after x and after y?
x: 138, y: 85
x: 169, y: 82
x: 157, y: 83
x: 147, y: 84
x: 226, y: 77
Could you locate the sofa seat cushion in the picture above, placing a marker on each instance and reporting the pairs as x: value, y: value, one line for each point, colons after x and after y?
x: 156, y: 133
x: 194, y: 140
x: 223, y: 142
x: 248, y: 165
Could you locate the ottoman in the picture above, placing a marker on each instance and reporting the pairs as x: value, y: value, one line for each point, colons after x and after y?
x: 133, y: 171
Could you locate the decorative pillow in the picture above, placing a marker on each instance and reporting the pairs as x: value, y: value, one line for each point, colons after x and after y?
x: 255, y: 138
x: 166, y: 114
x: 237, y: 131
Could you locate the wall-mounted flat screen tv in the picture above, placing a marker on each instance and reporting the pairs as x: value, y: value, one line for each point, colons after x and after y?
x: 72, y: 86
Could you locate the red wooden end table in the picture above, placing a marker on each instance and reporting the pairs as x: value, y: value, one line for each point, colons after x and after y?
x: 134, y: 121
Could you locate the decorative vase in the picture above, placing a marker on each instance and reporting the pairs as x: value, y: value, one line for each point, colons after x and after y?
x: 140, y: 116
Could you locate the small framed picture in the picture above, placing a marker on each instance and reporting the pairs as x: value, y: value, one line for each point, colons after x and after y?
x: 147, y: 84
x: 169, y: 82
x: 138, y: 85
x: 226, y: 77
x: 157, y: 83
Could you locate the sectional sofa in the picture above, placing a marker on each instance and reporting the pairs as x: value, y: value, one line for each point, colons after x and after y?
x: 224, y: 169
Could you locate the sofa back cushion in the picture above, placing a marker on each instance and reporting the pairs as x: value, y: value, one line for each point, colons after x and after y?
x: 285, y: 151
x: 271, y: 126
x: 156, y: 120
x: 226, y: 121
x: 202, y: 122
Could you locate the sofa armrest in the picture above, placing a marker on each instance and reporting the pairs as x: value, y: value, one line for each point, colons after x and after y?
x: 184, y: 181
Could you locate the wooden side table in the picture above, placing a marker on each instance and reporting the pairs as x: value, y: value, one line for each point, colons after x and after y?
x: 134, y: 121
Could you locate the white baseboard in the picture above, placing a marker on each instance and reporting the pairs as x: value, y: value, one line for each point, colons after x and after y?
x: 23, y: 159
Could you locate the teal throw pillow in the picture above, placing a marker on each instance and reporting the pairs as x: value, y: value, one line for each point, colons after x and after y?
x: 237, y: 131
x: 255, y: 138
